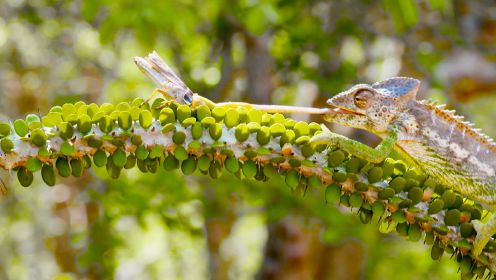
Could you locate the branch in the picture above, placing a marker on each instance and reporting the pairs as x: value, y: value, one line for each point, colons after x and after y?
x: 250, y: 144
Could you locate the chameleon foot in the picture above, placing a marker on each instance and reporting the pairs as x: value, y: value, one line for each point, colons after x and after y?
x: 358, y: 149
x: 326, y: 137
x: 484, y: 233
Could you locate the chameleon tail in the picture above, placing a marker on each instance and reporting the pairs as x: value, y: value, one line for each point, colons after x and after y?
x: 484, y: 233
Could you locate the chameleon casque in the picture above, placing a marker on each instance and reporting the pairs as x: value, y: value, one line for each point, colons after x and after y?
x: 431, y: 138
x: 435, y: 140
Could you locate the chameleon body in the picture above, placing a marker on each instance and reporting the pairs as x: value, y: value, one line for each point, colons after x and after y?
x: 435, y: 140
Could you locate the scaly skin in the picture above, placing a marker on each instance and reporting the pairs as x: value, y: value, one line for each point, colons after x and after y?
x: 437, y: 141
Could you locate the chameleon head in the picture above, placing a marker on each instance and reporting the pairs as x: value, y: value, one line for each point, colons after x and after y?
x: 373, y: 107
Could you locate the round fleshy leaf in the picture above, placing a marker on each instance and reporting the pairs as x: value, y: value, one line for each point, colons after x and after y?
x: 4, y: 129
x: 21, y: 127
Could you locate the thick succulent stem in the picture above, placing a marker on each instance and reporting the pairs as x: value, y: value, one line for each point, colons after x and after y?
x: 250, y: 144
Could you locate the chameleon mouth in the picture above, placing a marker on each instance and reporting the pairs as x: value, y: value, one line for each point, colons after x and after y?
x: 339, y: 110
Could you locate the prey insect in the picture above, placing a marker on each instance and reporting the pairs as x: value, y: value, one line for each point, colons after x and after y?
x: 168, y: 83
x: 171, y: 87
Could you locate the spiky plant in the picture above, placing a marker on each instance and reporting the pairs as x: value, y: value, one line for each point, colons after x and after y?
x: 250, y: 144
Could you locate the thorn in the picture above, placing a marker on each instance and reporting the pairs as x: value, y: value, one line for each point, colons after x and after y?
x: 379, y: 221
x: 3, y: 188
x: 39, y: 113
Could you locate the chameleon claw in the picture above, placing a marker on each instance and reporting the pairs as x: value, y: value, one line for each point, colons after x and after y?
x: 324, y: 128
x: 326, y: 137
x: 481, y: 239
x: 484, y: 233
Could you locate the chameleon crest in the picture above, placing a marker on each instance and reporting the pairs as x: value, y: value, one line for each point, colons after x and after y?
x: 373, y: 107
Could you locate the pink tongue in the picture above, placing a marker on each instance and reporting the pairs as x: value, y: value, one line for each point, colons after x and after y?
x: 341, y: 111
x: 337, y: 111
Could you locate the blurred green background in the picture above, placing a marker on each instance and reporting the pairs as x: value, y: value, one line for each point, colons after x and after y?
x: 167, y: 226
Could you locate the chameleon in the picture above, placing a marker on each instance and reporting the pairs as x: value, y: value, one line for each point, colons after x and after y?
x: 435, y: 140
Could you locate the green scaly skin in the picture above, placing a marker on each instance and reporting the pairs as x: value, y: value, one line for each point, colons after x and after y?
x: 435, y: 140
x: 356, y: 148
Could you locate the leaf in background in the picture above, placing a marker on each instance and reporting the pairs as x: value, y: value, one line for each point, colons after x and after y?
x: 403, y: 13
x: 90, y: 8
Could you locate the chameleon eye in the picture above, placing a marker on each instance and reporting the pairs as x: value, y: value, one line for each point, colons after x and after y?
x: 362, y: 98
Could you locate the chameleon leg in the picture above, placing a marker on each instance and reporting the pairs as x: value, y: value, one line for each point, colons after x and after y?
x: 356, y: 148
x: 484, y: 233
